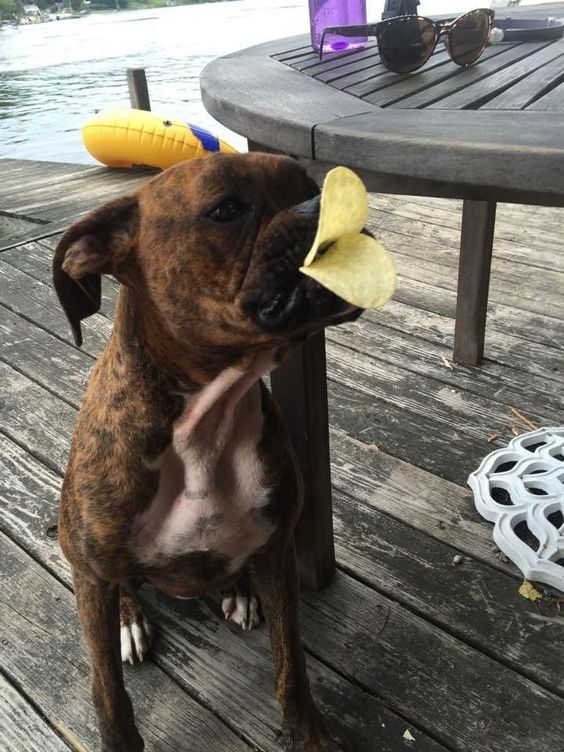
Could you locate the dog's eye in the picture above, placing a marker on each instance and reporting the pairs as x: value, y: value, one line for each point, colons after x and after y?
x: 228, y: 210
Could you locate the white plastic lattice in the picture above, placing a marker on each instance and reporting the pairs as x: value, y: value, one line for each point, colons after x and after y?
x: 521, y: 489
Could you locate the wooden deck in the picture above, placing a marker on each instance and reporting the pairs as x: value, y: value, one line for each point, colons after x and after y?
x: 403, y: 639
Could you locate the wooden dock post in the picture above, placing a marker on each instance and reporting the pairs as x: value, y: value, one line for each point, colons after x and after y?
x: 138, y: 89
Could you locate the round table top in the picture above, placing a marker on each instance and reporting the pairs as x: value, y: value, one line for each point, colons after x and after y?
x: 492, y: 131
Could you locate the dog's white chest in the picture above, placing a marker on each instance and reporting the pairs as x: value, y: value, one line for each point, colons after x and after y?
x: 211, y: 494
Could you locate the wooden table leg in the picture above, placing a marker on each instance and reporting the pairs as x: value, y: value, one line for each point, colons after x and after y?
x: 478, y: 221
x: 300, y: 388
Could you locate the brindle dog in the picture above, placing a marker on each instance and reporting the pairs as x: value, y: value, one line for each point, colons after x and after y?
x: 181, y: 472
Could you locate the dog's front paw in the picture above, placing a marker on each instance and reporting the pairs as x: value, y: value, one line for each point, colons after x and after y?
x: 242, y: 608
x: 135, y: 639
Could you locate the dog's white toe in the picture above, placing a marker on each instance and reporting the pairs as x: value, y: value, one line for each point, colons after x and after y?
x: 241, y: 609
x: 135, y: 639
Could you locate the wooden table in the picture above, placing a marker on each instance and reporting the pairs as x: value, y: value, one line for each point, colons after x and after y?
x: 492, y: 132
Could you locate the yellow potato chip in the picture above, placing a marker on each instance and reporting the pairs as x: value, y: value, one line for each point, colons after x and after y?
x: 353, y: 266
x: 343, y: 210
x: 357, y: 269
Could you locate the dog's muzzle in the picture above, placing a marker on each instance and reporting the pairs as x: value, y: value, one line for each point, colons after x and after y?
x: 284, y: 299
x: 282, y: 303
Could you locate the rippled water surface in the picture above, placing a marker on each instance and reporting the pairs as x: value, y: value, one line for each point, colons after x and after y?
x: 54, y: 75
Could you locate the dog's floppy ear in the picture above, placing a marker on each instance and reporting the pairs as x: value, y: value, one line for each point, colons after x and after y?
x: 99, y: 243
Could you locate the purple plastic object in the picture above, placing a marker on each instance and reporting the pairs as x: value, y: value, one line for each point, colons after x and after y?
x: 324, y: 13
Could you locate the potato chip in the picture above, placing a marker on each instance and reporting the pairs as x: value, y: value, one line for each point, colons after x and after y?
x: 344, y: 209
x: 352, y: 265
x: 357, y: 269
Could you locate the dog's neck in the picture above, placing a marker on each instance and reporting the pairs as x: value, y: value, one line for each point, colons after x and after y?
x: 187, y: 369
x: 210, y: 395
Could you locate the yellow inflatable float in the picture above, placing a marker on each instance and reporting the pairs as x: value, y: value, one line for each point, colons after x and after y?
x: 124, y: 137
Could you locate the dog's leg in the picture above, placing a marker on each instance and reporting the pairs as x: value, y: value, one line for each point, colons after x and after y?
x: 135, y: 631
x: 276, y: 580
x: 98, y: 607
x: 240, y: 604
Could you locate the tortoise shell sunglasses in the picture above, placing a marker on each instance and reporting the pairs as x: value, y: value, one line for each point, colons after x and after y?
x: 405, y: 43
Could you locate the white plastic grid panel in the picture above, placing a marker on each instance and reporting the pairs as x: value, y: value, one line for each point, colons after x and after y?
x: 521, y: 489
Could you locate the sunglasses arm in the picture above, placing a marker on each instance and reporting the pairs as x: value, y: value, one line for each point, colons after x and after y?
x: 364, y: 30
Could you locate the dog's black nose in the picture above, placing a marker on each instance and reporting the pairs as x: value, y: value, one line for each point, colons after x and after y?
x: 308, y: 208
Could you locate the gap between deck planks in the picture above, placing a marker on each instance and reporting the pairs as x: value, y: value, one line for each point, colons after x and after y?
x: 22, y: 729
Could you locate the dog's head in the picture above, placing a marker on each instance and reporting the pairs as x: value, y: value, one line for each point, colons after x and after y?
x: 212, y: 249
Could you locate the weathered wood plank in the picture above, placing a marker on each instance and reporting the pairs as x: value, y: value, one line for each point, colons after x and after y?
x: 56, y: 365
x: 39, y: 179
x: 471, y: 703
x: 515, y: 213
x: 37, y: 302
x: 503, y: 384
x: 39, y: 231
x: 468, y: 76
x: 21, y: 728
x: 525, y: 290
x: 482, y: 607
x: 368, y: 66
x: 529, y: 236
x: 552, y: 101
x: 448, y: 406
x: 336, y: 63
x: 194, y: 644
x: 449, y: 152
x: 34, y: 418
x: 41, y: 649
x: 419, y: 309
x: 477, y: 94
x: 36, y: 260
x: 30, y: 169
x: 528, y: 89
x: 443, y: 511
x: 385, y: 77
x: 296, y: 49
x: 398, y: 89
x: 50, y: 205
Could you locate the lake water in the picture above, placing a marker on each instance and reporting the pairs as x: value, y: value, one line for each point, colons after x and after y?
x: 54, y: 75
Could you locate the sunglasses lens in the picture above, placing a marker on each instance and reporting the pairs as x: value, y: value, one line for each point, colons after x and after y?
x: 469, y: 36
x: 406, y: 43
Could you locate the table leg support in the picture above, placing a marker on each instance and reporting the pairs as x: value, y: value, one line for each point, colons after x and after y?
x: 478, y: 222
x: 300, y: 388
